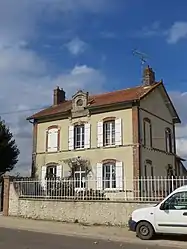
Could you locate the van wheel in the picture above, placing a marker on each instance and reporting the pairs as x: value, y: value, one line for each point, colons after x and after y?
x: 144, y: 230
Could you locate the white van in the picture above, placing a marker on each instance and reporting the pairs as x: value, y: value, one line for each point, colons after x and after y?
x: 167, y: 217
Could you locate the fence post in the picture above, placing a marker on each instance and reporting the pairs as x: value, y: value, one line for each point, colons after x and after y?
x: 6, y: 195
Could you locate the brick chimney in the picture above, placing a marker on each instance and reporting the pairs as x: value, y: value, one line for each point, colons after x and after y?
x: 59, y: 96
x: 148, y: 76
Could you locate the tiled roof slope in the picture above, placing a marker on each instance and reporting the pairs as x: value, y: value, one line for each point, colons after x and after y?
x: 125, y: 95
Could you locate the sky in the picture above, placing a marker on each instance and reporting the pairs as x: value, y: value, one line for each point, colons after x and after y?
x: 86, y: 44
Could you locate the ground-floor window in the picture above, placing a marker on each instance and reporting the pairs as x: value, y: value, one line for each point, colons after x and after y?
x: 79, y: 177
x: 109, y: 175
x: 51, y: 172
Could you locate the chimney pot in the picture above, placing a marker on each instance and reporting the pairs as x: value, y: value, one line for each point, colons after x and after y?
x: 59, y: 95
x: 148, y: 76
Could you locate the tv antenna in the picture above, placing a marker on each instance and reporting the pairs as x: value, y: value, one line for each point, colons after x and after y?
x: 142, y: 56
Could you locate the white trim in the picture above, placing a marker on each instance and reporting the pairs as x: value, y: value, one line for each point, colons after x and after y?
x: 71, y: 137
x: 87, y: 134
x: 118, y: 131
x: 100, y: 134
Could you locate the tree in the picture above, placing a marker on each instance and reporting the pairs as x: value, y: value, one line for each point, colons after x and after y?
x: 9, y: 151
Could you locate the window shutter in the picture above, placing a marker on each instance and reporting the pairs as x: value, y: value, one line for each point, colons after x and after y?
x: 99, y: 176
x: 119, y: 175
x: 43, y: 175
x: 59, y: 171
x: 87, y: 136
x: 100, y: 134
x: 118, y: 131
x: 52, y: 140
x: 71, y: 137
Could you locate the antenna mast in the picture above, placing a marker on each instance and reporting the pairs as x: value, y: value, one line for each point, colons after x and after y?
x: 143, y: 57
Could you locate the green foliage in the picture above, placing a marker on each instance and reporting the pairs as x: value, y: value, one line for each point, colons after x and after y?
x: 9, y: 151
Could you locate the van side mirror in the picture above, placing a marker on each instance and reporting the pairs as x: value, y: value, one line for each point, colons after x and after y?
x: 164, y: 206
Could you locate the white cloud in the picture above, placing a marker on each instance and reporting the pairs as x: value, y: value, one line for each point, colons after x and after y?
x: 24, y: 87
x: 173, y: 34
x: 177, y: 32
x: 180, y: 101
x: 149, y: 31
x: 76, y: 46
x: 26, y: 80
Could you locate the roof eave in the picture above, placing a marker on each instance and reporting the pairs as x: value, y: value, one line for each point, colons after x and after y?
x: 48, y: 116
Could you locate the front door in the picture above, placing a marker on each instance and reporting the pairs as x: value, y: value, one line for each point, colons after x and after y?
x: 173, y: 219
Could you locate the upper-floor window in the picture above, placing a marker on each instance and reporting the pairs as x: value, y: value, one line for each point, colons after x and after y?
x: 168, y: 139
x: 79, y: 136
x: 52, y: 139
x: 109, y: 132
x: 147, y: 132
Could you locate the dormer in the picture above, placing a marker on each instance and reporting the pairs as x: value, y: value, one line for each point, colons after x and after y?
x: 79, y: 104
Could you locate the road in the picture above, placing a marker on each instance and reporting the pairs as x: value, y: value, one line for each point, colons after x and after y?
x: 19, y: 239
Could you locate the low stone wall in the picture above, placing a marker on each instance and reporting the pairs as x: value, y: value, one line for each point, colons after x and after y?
x: 85, y: 212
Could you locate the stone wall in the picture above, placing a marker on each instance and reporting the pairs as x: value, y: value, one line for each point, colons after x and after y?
x: 85, y: 212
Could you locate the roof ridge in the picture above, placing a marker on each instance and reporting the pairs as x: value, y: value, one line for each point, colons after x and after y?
x: 119, y: 90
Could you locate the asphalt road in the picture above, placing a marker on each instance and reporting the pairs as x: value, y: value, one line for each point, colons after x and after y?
x: 17, y: 239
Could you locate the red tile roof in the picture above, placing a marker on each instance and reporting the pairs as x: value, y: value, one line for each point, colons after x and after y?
x: 125, y: 95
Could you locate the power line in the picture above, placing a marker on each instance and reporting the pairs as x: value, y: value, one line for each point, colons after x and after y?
x: 21, y: 111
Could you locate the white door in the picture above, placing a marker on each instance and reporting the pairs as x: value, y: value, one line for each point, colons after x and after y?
x: 173, y: 216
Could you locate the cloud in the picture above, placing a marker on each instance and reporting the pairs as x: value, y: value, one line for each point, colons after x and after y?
x: 76, y: 46
x: 26, y: 78
x: 108, y: 35
x: 29, y: 85
x: 173, y: 34
x: 180, y: 101
x: 177, y: 32
x: 149, y: 31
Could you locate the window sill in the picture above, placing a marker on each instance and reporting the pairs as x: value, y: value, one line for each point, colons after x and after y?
x: 51, y: 152
x: 112, y: 190
x: 79, y: 149
x: 110, y: 146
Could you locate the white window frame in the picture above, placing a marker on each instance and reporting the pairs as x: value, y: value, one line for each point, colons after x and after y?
x: 81, y: 180
x: 82, y: 136
x: 111, y: 131
x: 168, y: 140
x: 111, y: 179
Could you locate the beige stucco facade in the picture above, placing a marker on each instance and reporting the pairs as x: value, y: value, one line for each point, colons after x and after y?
x: 154, y: 108
x: 123, y: 153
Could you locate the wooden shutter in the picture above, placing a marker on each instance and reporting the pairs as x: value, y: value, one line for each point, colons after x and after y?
x: 59, y: 171
x: 52, y: 140
x: 119, y: 175
x: 118, y: 132
x: 99, y: 176
x: 71, y: 137
x: 100, y: 134
x: 43, y: 176
x: 87, y: 136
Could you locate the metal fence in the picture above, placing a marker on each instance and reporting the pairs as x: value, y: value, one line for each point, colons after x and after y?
x: 141, y: 189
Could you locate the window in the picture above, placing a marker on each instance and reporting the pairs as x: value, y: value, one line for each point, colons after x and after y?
x: 51, y: 172
x: 52, y: 139
x: 79, y: 135
x: 168, y: 138
x: 177, y: 201
x: 79, y: 176
x: 109, y: 133
x: 109, y: 175
x: 147, y: 132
